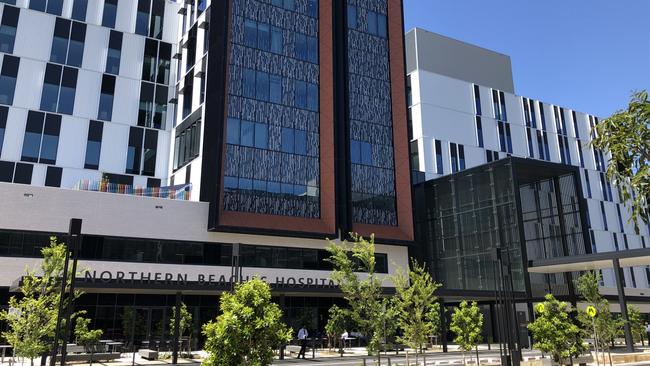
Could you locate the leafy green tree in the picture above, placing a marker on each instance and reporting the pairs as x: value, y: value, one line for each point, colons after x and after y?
x: 467, y: 324
x: 605, y: 326
x: 625, y: 136
x: 554, y: 331
x: 354, y: 273
x: 185, y: 325
x: 85, y: 336
x: 637, y: 324
x: 31, y: 318
x: 248, y: 329
x: 338, y: 322
x: 415, y: 303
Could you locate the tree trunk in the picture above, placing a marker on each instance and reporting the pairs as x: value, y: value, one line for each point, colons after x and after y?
x: 478, y: 361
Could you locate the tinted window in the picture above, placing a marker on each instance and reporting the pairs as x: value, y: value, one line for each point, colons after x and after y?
x: 106, y: 98
x: 23, y: 173
x: 53, y: 176
x: 94, y: 145
x: 110, y: 12
x: 8, y: 28
x: 114, y: 53
x: 8, y: 79
x: 79, y: 8
x: 68, y: 90
x: 142, y: 17
x: 32, y: 138
x: 50, y: 143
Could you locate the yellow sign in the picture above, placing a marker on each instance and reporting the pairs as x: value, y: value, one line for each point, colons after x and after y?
x: 591, y: 311
x: 540, y: 308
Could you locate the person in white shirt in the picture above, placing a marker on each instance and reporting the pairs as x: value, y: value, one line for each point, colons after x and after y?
x: 302, y: 337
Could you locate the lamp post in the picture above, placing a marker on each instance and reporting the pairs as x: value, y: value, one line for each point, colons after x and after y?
x: 65, y: 311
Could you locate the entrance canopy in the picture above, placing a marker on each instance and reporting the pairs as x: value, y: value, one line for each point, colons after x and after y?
x: 586, y: 262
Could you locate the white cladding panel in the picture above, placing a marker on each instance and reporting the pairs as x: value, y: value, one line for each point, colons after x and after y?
x: 72, y: 142
x: 29, y: 84
x: 86, y: 102
x: 12, y: 146
x: 96, y: 48
x: 34, y: 35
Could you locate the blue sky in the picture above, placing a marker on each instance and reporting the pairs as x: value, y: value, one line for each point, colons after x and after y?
x: 587, y: 55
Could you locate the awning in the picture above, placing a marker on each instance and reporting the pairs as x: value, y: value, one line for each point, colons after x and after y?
x: 586, y: 262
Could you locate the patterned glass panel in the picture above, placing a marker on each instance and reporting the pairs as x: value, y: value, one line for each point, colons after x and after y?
x: 272, y: 164
x: 370, y: 115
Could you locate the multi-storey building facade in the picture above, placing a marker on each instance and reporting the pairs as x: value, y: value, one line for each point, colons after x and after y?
x: 462, y: 118
x: 286, y: 120
x: 78, y: 85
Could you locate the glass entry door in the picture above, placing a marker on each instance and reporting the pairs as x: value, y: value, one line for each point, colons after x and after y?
x: 146, y: 327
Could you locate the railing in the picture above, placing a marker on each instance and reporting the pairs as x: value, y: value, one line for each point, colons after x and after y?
x: 177, y: 192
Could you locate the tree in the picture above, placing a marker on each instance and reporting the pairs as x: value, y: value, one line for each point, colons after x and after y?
x: 32, y: 318
x: 369, y: 310
x: 604, y: 325
x: 415, y: 304
x: 85, y: 336
x: 637, y: 324
x: 338, y: 322
x: 467, y: 324
x: 554, y: 331
x: 625, y: 136
x: 248, y: 329
x: 185, y: 325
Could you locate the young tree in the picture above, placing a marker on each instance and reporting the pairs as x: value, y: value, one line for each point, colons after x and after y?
x: 248, y: 329
x: 554, y: 331
x: 414, y: 303
x: 625, y: 136
x: 185, y: 325
x: 467, y: 324
x: 604, y: 325
x: 32, y: 318
x: 86, y: 337
x: 354, y: 273
x: 637, y: 324
x: 338, y: 322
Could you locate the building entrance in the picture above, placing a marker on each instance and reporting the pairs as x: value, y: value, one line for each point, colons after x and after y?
x: 149, y: 327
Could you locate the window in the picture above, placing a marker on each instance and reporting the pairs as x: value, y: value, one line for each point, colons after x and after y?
x: 94, y: 145
x: 605, y: 187
x: 277, y: 42
x: 580, y: 156
x: 23, y: 173
x: 477, y: 100
x: 4, y: 113
x: 10, y: 2
x: 479, y: 131
x: 41, y: 140
x: 616, y: 247
x: 415, y: 159
x: 150, y: 147
x: 187, y: 144
x: 68, y: 42
x: 575, y: 124
x: 438, y: 152
x: 352, y: 17
x: 187, y: 94
x: 59, y: 88
x: 105, y: 111
x: 50, y: 6
x: 79, y: 8
x: 587, y: 183
x: 153, y: 105
x: 491, y: 156
x: 360, y: 152
x: 134, y: 151
x: 505, y: 137
x: 541, y: 115
x: 8, y: 75
x: 110, y: 12
x: 53, y: 176
x: 7, y: 171
x: 114, y: 53
x: 8, y: 27
x: 529, y: 136
x: 604, y: 216
x: 620, y: 218
x: 157, y: 60
x: 499, y: 105
x: 157, y: 18
x: 142, y: 17
x: 457, y: 157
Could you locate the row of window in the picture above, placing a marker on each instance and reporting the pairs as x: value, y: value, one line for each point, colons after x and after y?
x: 246, y: 184
x: 29, y: 244
x: 457, y: 157
x: 375, y: 22
x: 505, y: 136
x: 268, y: 88
x: 187, y: 144
x: 254, y: 134
x: 271, y: 38
x: 311, y: 8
